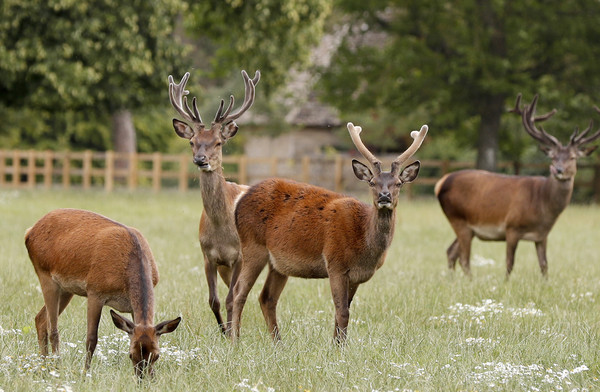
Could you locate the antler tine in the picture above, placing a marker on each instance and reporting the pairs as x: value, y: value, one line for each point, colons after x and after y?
x: 364, y: 151
x: 248, y: 98
x: 412, y: 149
x: 178, y: 97
x: 529, y: 119
x: 580, y: 140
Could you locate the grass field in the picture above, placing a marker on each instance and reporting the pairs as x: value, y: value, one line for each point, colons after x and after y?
x: 413, y: 327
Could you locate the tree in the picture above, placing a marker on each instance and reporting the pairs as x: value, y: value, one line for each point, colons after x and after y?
x: 270, y: 35
x: 459, y: 64
x: 93, y: 58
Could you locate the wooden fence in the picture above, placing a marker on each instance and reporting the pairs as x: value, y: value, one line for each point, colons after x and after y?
x: 111, y: 170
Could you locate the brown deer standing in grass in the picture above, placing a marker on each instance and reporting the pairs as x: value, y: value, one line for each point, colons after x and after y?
x: 309, y: 232
x: 496, y: 207
x: 218, y: 237
x: 77, y: 252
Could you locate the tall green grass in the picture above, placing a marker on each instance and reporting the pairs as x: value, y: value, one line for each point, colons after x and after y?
x: 414, y: 325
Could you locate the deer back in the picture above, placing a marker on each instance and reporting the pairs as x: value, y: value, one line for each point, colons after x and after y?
x: 84, y: 251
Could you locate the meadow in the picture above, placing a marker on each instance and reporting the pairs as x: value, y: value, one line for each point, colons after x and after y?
x: 415, y: 326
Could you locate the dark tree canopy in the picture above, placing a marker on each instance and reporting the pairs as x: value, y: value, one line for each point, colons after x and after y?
x: 458, y: 65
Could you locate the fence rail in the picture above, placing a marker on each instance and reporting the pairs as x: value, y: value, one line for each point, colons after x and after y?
x: 111, y: 170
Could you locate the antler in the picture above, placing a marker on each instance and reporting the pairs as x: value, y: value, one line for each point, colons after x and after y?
x: 410, y: 151
x: 225, y: 117
x: 580, y: 139
x: 376, y: 163
x: 178, y: 96
x: 355, y: 136
x: 529, y: 119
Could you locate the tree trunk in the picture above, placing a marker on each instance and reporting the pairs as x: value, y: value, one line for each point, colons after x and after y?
x: 124, y: 140
x: 487, y: 145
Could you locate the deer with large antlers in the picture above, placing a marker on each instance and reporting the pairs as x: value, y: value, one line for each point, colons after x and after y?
x: 78, y: 252
x: 218, y: 237
x: 495, y: 207
x: 309, y: 232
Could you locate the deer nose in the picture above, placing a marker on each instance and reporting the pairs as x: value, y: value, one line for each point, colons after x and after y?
x: 385, y: 196
x: 201, y: 160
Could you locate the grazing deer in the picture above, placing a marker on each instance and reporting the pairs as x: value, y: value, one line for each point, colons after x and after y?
x: 77, y: 252
x: 309, y: 232
x: 218, y: 237
x: 496, y: 207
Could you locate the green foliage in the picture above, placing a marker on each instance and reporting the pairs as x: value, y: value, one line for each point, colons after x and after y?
x: 67, y: 65
x: 458, y: 63
x: 270, y: 35
x: 98, y: 55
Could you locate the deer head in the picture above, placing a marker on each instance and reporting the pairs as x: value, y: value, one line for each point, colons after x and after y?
x: 385, y: 186
x: 564, y: 158
x: 143, y: 349
x: 207, y: 143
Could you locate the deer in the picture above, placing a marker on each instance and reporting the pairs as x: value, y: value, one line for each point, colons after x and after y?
x: 510, y: 208
x: 218, y: 237
x: 305, y: 231
x: 79, y: 252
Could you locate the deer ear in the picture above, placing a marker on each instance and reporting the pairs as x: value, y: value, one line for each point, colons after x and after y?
x: 361, y: 171
x: 121, y: 322
x: 229, y: 130
x: 167, y: 326
x: 584, y: 152
x: 182, y: 129
x: 410, y: 172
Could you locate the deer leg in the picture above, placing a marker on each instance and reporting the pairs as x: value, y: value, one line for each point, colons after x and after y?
x: 51, y: 292
x: 464, y: 237
x: 453, y: 252
x: 233, y: 275
x: 339, y: 283
x: 210, y: 270
x: 512, y: 240
x: 41, y: 321
x: 351, y: 291
x: 94, y: 311
x: 540, y: 247
x: 268, y: 299
x: 254, y: 260
x: 41, y: 325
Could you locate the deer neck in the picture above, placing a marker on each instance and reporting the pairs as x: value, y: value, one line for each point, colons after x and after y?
x: 214, y: 195
x: 141, y: 289
x: 558, y: 193
x: 381, y: 228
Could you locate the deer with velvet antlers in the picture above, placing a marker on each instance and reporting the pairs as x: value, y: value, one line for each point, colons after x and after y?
x: 306, y: 231
x: 77, y: 252
x: 218, y: 237
x: 495, y: 207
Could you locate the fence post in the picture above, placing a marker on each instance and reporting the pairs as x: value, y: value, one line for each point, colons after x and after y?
x: 339, y: 173
x: 109, y: 172
x: 305, y: 169
x: 2, y: 167
x: 183, y: 172
x: 66, y: 171
x: 132, y: 178
x: 30, y: 169
x: 16, y: 168
x: 87, y: 169
x: 48, y: 168
x: 156, y: 171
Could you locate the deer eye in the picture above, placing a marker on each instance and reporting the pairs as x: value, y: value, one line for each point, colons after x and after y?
x: 218, y: 144
x: 191, y: 143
